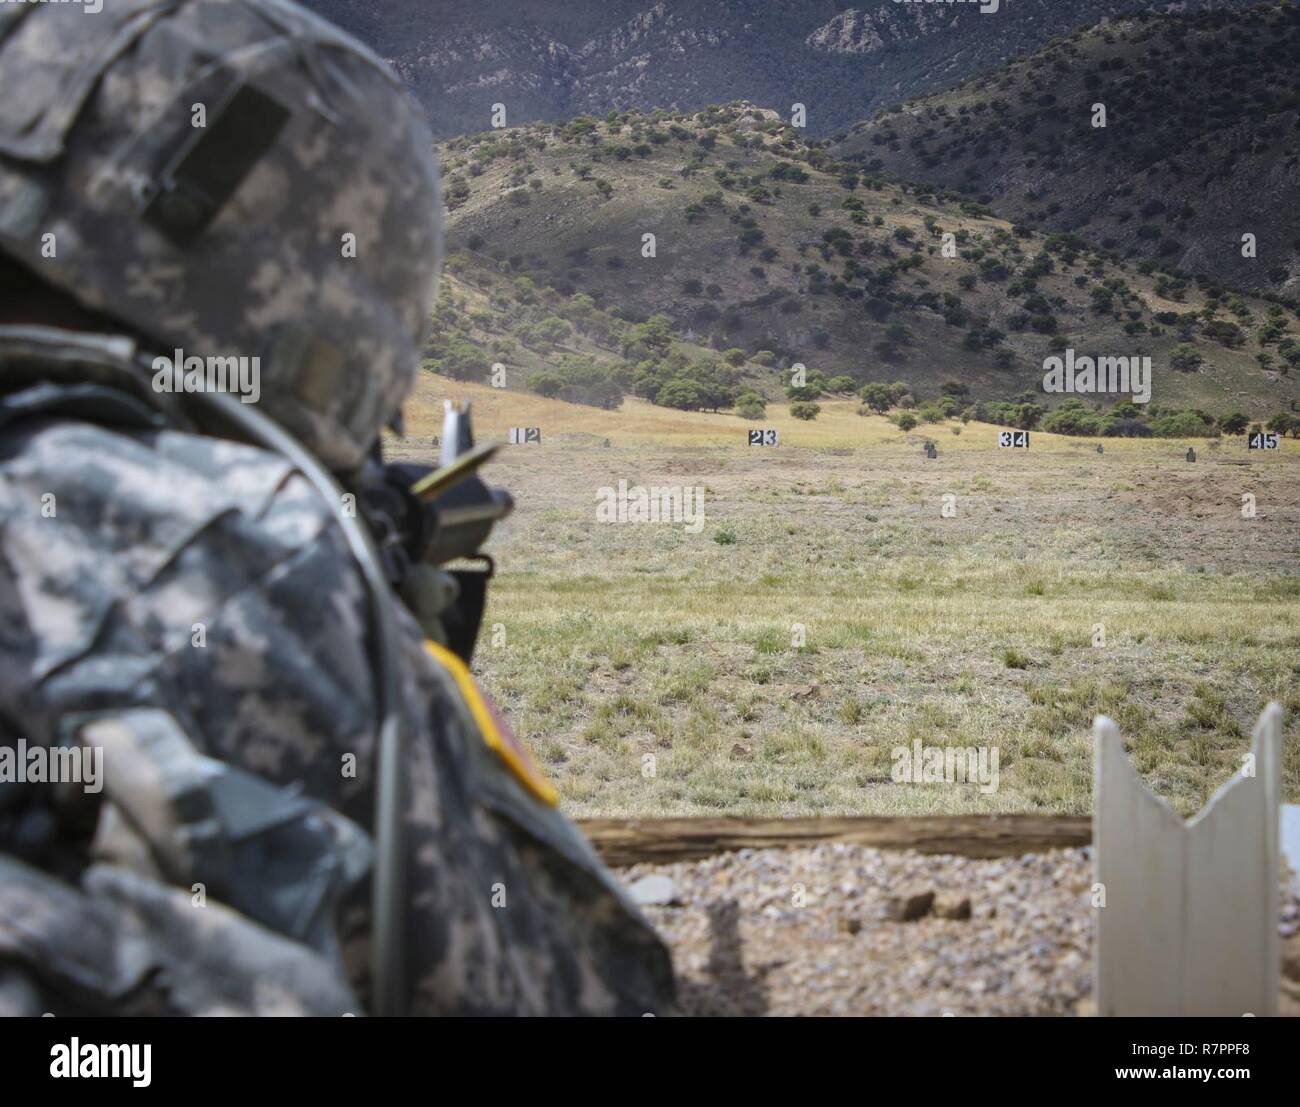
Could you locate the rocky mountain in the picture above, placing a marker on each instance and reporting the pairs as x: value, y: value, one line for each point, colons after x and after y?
x: 551, y: 60
x: 1175, y: 139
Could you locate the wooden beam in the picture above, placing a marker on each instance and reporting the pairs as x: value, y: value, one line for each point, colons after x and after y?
x: 660, y: 841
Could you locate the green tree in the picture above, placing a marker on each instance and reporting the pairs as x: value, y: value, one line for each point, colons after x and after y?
x: 1073, y: 418
x: 1284, y: 423
x: 655, y: 335
x: 545, y: 383
x: 716, y: 383
x: 879, y: 397
x: 463, y: 362
x: 682, y: 394
x: 751, y: 404
x: 1179, y: 424
x: 1185, y: 357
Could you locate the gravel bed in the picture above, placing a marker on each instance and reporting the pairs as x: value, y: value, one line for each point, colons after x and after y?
x: 826, y: 930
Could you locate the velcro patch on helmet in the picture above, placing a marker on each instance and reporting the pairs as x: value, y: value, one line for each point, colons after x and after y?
x: 493, y: 729
x: 314, y: 365
x: 195, y: 185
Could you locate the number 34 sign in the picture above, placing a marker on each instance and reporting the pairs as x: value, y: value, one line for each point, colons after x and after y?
x: 1015, y: 440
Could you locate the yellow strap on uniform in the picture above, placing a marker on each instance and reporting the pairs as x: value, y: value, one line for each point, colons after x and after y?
x: 510, y: 750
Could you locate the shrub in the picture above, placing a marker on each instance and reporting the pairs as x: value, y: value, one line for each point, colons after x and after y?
x: 1185, y: 357
x: 580, y: 380
x: 879, y: 397
x: 1073, y: 418
x: 460, y: 361
x: 1285, y: 423
x: 750, y: 404
x: 684, y: 395
x: 1225, y: 333
x: 545, y: 383
x: 1127, y: 427
x: 1181, y: 424
x: 805, y: 409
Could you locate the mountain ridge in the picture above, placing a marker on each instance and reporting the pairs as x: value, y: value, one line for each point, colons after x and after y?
x: 1201, y: 142
x: 549, y: 62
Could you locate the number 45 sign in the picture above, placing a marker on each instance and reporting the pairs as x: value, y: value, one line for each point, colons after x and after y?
x: 1015, y: 440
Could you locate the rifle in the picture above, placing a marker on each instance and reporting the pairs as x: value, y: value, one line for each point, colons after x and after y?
x: 423, y: 518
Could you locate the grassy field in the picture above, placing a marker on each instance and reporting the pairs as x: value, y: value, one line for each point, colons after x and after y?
x: 656, y: 672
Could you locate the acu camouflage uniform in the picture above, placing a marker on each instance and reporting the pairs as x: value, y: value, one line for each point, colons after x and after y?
x: 188, y: 602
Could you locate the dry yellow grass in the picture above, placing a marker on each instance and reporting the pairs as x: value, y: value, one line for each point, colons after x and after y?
x: 623, y: 646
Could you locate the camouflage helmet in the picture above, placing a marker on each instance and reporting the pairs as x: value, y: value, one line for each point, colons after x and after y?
x: 230, y: 178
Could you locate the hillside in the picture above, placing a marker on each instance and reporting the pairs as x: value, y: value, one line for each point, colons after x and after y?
x: 767, y: 247
x: 550, y: 61
x: 1201, y: 142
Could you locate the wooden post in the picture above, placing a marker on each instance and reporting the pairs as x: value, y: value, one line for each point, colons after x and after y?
x: 1188, y: 923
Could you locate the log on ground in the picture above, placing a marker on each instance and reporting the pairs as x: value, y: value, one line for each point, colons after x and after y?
x: 660, y: 841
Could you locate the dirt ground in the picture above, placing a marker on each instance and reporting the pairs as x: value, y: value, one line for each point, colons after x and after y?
x: 810, y: 932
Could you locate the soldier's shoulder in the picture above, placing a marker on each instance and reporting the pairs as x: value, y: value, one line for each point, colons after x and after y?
x: 119, y: 539
x: 149, y: 493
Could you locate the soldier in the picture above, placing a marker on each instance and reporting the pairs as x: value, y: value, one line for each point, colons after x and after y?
x: 219, y: 238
